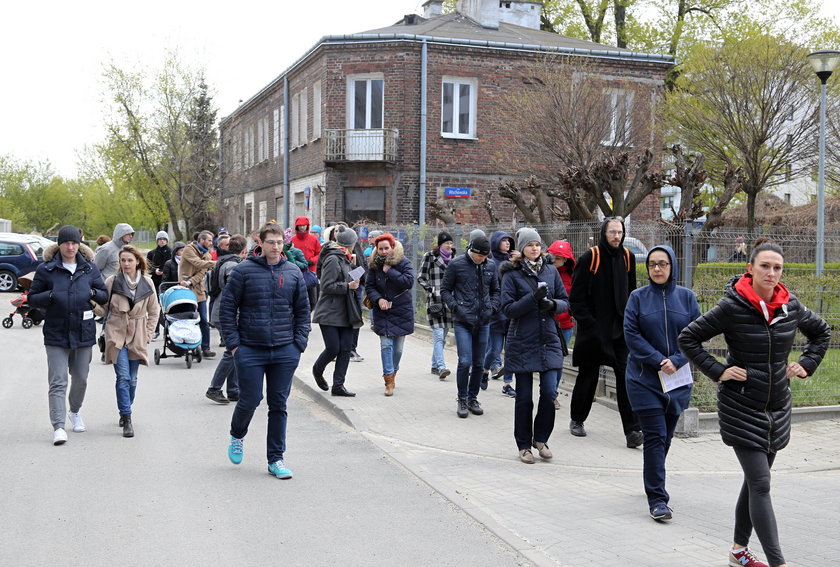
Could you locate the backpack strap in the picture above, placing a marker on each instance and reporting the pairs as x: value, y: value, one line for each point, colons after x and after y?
x: 595, y: 260
x: 627, y: 259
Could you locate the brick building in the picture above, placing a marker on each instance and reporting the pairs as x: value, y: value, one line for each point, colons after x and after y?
x: 339, y: 134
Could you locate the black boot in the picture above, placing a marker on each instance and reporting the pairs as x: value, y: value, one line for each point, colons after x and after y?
x: 128, y: 430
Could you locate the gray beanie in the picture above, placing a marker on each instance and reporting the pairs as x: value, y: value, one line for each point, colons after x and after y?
x: 476, y: 233
x: 345, y: 236
x: 525, y: 235
x: 373, y: 234
x: 162, y: 234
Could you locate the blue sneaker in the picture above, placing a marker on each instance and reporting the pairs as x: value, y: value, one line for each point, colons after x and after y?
x: 279, y: 470
x: 235, y: 450
x: 661, y: 512
x: 507, y: 390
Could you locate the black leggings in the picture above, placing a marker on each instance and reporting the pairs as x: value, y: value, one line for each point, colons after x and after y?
x: 754, y: 507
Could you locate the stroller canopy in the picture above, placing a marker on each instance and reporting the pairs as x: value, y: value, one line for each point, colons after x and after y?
x: 178, y: 297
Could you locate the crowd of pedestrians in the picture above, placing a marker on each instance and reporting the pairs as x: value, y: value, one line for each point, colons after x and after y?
x: 512, y: 302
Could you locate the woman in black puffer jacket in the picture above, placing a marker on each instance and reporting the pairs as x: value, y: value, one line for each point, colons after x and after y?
x: 759, y: 319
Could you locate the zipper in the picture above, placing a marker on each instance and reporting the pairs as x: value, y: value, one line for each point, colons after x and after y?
x: 769, y: 383
x: 667, y: 341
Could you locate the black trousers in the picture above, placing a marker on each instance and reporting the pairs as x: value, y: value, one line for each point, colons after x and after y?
x: 338, y: 342
x: 754, y: 508
x: 584, y: 394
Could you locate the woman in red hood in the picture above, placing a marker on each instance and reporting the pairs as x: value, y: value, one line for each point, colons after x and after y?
x: 564, y: 261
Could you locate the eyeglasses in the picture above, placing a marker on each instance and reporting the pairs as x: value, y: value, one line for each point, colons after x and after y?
x: 660, y: 265
x: 273, y: 242
x: 615, y: 232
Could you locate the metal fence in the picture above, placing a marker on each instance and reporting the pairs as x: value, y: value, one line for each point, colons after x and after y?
x: 704, y: 267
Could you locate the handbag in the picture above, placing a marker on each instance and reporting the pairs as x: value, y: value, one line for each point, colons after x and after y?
x: 367, y: 302
x: 310, y: 279
x: 435, y: 309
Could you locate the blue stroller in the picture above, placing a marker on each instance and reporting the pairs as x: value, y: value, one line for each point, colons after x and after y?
x: 181, y: 330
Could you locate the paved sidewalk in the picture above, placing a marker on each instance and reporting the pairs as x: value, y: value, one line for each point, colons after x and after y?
x: 587, y: 506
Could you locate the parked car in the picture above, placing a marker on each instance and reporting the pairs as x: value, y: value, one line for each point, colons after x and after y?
x: 635, y: 246
x: 19, y: 255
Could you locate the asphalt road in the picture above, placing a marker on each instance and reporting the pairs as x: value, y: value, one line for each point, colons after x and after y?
x: 169, y: 496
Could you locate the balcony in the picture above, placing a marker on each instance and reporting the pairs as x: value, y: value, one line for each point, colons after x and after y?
x: 375, y: 145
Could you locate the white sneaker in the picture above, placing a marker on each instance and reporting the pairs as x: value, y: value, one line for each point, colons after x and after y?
x: 76, y: 420
x: 59, y: 436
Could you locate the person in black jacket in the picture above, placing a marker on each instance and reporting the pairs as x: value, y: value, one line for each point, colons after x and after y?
x: 264, y: 315
x: 759, y: 318
x: 470, y: 289
x: 156, y: 260
x: 65, y: 284
x: 603, y: 279
x: 532, y: 293
x: 170, y: 267
x: 389, y: 280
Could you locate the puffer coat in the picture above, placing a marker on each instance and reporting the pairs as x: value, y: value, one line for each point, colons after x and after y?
x: 131, y: 322
x: 653, y: 319
x: 264, y: 306
x: 755, y: 413
x: 394, y: 286
x: 470, y: 290
x: 533, y: 342
x: 69, y: 320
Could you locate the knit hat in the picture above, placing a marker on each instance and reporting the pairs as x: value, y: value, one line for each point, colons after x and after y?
x: 444, y: 237
x: 480, y: 245
x: 162, y: 234
x: 345, y: 236
x: 373, y: 234
x: 476, y: 233
x: 524, y: 236
x: 69, y: 233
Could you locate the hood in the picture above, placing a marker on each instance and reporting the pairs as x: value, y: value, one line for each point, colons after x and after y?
x: 121, y: 230
x: 602, y: 235
x: 392, y: 259
x: 563, y: 249
x: 300, y: 221
x: 671, y: 283
x: 52, y: 250
x: 496, y: 239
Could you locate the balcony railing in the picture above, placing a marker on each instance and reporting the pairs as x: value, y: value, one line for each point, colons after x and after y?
x: 377, y: 145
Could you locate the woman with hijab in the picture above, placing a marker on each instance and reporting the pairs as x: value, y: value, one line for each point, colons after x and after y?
x: 132, y: 311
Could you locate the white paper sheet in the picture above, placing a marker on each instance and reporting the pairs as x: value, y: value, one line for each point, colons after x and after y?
x: 356, y: 273
x: 682, y: 377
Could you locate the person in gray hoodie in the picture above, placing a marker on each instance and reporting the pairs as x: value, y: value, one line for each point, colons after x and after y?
x: 108, y: 255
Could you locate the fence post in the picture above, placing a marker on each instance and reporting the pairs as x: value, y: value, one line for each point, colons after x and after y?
x: 688, y: 254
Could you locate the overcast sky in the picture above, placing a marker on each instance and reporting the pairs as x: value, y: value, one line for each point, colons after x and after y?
x: 53, y: 54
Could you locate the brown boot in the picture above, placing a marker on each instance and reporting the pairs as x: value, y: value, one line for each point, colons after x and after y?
x: 389, y: 383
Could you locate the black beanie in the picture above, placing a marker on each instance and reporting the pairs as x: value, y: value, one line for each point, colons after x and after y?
x: 480, y: 245
x: 69, y: 233
x: 444, y: 237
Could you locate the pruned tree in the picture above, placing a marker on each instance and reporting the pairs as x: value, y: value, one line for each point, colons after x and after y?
x: 748, y: 105
x: 582, y: 138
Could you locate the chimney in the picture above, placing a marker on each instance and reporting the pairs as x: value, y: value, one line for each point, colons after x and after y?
x: 432, y: 8
x: 489, y: 13
x: 485, y: 12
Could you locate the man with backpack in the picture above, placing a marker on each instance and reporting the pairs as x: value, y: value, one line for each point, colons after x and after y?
x: 225, y: 371
x: 603, y: 279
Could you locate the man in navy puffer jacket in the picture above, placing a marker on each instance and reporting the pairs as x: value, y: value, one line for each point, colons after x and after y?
x: 264, y: 317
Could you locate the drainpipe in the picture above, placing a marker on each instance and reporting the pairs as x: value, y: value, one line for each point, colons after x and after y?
x: 286, y: 185
x: 423, y: 103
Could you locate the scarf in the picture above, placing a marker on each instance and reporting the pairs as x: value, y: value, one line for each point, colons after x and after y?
x: 177, y: 259
x: 132, y: 285
x: 445, y: 255
x: 780, y: 298
x: 534, y: 265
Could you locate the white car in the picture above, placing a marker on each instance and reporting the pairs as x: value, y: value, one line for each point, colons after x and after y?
x: 635, y: 246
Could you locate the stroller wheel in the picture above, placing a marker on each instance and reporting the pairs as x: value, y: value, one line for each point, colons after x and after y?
x: 188, y: 358
x: 8, y: 322
x: 157, y: 356
x: 198, y: 355
x: 27, y: 323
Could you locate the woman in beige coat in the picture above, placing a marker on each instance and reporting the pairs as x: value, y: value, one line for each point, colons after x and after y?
x: 132, y: 314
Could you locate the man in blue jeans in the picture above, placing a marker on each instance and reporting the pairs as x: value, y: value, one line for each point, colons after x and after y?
x: 470, y: 289
x: 264, y: 315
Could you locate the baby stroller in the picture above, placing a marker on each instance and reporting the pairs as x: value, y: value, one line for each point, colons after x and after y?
x: 181, y: 331
x: 31, y: 315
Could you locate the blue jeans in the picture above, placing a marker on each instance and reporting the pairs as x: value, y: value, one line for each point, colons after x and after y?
x: 658, y: 428
x: 495, y: 344
x: 126, y: 371
x: 567, y: 334
x: 277, y: 365
x: 439, y: 341
x: 391, y: 349
x: 526, y: 427
x: 204, y: 325
x: 472, y: 345
x: 225, y: 372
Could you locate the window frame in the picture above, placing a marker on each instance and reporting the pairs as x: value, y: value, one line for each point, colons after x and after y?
x: 351, y: 99
x: 628, y: 96
x: 472, y: 82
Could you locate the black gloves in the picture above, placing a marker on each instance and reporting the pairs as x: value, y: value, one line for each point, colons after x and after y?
x: 546, y: 304
x: 540, y: 292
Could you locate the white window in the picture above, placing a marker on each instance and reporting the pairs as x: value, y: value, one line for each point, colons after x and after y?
x: 249, y: 147
x: 619, y: 117
x: 236, y: 156
x: 262, y: 140
x: 276, y: 137
x: 458, y: 107
x: 304, y: 117
x: 295, y: 119
x: 365, y: 102
x: 316, y: 110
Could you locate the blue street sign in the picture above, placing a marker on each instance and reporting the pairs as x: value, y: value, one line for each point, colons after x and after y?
x: 456, y: 192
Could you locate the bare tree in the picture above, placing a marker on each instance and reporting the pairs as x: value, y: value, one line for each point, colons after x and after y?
x: 748, y: 105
